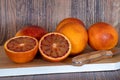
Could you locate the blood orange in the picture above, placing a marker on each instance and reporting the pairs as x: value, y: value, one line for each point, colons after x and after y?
x: 69, y: 20
x: 21, y: 49
x: 77, y: 34
x: 54, y: 46
x: 33, y: 31
x: 102, y: 36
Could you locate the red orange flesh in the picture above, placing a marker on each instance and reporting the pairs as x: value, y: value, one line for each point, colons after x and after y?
x: 54, y: 46
x: 21, y: 49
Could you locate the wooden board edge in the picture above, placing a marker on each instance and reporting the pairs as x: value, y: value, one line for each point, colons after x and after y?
x: 58, y: 69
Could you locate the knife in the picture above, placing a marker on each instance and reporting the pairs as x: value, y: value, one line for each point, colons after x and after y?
x: 94, y: 56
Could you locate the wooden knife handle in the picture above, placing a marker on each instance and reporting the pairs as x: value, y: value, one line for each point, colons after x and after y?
x: 91, y: 57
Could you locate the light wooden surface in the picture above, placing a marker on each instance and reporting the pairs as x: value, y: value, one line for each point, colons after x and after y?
x: 5, y: 62
x: 41, y: 66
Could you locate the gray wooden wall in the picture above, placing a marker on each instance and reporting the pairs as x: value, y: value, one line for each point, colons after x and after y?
x: 14, y: 14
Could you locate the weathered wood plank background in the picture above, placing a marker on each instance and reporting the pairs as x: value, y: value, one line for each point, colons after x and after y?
x: 14, y: 14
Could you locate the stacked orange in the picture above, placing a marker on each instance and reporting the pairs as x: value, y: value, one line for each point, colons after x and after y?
x: 76, y: 32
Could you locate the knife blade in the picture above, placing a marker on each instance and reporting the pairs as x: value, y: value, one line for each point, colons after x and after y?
x: 94, y: 56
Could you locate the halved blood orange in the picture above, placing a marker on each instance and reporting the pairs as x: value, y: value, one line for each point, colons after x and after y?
x: 54, y: 46
x: 21, y: 49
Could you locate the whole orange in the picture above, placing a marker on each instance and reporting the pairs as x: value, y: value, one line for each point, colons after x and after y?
x: 69, y: 20
x: 102, y: 36
x: 77, y: 35
x: 33, y: 31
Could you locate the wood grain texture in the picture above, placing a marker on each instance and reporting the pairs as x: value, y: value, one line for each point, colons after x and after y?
x: 38, y: 61
x: 106, y: 75
x: 110, y: 75
x: 15, y: 14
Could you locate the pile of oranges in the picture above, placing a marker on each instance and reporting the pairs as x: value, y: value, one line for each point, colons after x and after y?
x: 70, y: 38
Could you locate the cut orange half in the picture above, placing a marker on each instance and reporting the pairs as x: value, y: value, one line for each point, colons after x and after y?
x: 54, y: 46
x: 21, y: 49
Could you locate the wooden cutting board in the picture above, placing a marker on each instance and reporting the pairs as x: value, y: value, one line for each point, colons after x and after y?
x: 40, y: 66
